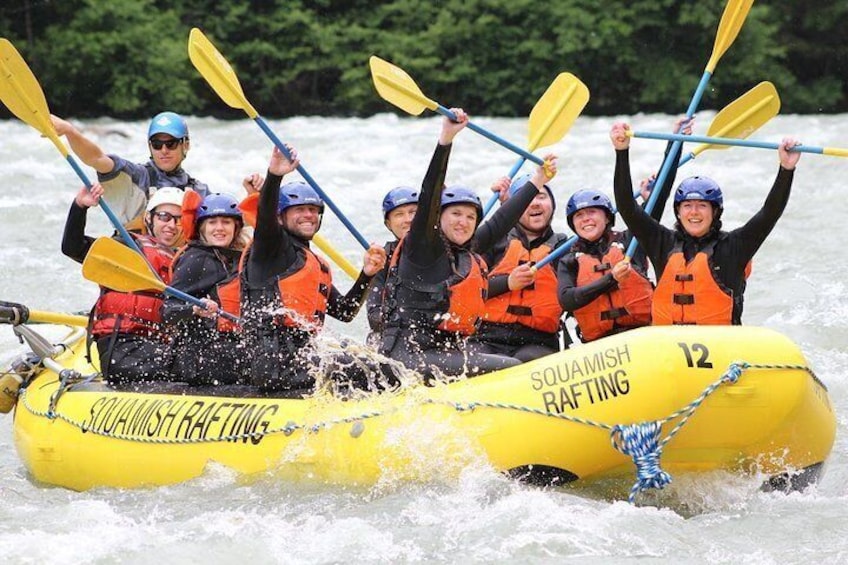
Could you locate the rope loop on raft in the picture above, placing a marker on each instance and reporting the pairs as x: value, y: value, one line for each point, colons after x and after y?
x: 641, y: 442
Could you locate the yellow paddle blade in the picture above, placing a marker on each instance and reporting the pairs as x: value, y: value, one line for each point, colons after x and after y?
x: 745, y: 115
x: 116, y: 266
x: 557, y: 109
x: 217, y: 71
x: 731, y: 22
x: 398, y: 88
x: 335, y: 256
x: 22, y: 95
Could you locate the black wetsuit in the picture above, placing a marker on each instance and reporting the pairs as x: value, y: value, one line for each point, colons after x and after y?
x: 124, y: 357
x: 516, y: 340
x: 283, y: 356
x: 428, y: 259
x: 733, y: 250
x: 202, y: 354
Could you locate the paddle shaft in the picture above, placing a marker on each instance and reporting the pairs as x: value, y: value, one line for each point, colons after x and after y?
x: 337, y: 257
x: 833, y: 151
x: 176, y: 293
x: 489, y: 135
x: 494, y: 199
x: 308, y: 178
x: 686, y: 158
x: 667, y: 162
x: 731, y: 22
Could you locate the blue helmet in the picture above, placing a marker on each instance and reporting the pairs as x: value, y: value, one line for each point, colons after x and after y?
x: 588, y: 198
x: 699, y: 188
x: 519, y: 182
x: 397, y: 197
x: 298, y: 193
x: 458, y: 194
x: 170, y: 123
x: 217, y: 204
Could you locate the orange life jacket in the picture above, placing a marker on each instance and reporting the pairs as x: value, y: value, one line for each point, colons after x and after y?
x: 689, y: 293
x: 535, y: 306
x: 628, y: 306
x: 455, y: 305
x: 139, y: 312
x: 303, y: 291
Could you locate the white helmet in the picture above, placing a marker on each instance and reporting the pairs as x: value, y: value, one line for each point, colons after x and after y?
x: 166, y: 195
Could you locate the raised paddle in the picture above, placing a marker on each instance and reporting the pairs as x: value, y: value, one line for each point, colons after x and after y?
x: 551, y: 118
x: 14, y: 313
x: 398, y: 88
x: 741, y: 117
x: 728, y: 141
x: 731, y: 22
x: 220, y: 75
x: 23, y: 96
x: 113, y: 265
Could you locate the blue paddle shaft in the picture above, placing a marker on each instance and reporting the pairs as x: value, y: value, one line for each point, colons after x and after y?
x: 675, y: 147
x: 177, y: 293
x: 688, y: 157
x: 494, y: 199
x: 489, y: 135
x: 119, y: 227
x: 725, y: 141
x: 561, y: 250
x: 308, y: 178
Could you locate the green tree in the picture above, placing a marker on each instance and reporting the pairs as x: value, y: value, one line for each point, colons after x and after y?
x: 124, y: 57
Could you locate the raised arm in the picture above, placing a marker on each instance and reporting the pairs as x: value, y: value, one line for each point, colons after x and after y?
x: 269, y: 237
x: 88, y: 151
x: 752, y: 235
x: 75, y: 244
x: 423, y: 242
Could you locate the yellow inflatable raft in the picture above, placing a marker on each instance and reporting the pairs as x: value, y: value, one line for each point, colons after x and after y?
x: 741, y: 399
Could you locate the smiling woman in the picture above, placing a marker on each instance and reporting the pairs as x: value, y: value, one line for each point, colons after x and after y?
x: 436, y: 285
x: 205, y: 347
x: 702, y: 271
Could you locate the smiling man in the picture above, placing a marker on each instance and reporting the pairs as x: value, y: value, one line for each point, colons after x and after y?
x: 127, y: 326
x: 399, y: 207
x: 287, y: 290
x: 522, y: 317
x: 129, y: 185
x: 701, y: 269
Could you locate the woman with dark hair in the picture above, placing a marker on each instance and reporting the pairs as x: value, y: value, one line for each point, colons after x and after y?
x: 436, y: 285
x: 701, y: 269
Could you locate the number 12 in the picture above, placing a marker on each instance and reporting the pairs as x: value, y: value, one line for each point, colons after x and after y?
x: 702, y: 362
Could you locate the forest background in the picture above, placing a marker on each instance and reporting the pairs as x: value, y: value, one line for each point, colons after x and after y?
x: 128, y: 58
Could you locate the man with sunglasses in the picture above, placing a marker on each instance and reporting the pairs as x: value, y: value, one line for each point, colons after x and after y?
x: 127, y: 326
x: 129, y: 185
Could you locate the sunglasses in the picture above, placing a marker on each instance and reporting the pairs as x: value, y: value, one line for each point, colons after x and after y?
x: 166, y: 217
x: 169, y: 143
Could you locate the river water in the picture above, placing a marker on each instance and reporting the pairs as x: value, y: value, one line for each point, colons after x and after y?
x: 481, y: 516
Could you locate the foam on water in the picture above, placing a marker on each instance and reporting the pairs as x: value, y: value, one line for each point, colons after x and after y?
x: 473, y: 514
